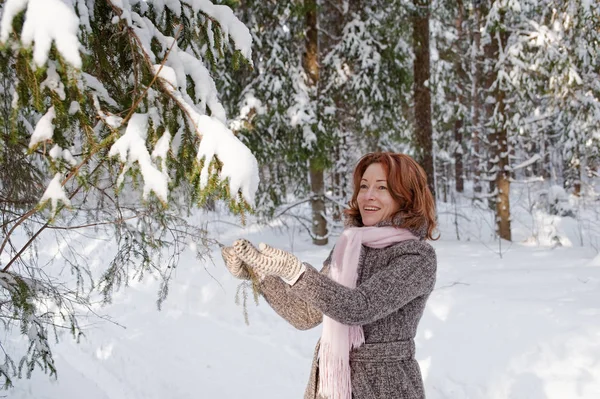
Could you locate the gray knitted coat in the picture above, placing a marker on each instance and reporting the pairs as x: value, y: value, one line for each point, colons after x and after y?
x: 393, y: 286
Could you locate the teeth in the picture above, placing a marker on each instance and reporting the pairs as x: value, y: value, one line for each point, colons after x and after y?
x: 371, y: 209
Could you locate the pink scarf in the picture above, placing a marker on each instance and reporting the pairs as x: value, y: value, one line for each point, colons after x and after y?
x: 338, y: 339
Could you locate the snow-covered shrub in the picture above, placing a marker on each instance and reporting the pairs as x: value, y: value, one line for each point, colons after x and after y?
x: 555, y: 201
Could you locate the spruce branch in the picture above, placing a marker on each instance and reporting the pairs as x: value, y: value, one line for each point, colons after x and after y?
x: 74, y: 171
x: 241, y: 293
x: 145, y: 92
x: 41, y: 229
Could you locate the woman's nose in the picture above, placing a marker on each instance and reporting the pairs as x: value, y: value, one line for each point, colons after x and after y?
x: 371, y: 193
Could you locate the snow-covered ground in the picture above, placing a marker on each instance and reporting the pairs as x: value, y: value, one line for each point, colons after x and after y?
x: 522, y: 326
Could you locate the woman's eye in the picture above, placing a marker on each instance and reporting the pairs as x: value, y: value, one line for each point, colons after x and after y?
x: 382, y: 187
x: 363, y: 186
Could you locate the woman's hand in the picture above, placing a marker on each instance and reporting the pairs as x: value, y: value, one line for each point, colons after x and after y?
x: 234, y: 264
x: 269, y: 261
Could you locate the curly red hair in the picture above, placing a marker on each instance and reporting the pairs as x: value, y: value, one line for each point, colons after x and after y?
x: 407, y: 184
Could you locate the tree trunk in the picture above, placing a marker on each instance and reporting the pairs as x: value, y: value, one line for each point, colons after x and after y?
x: 462, y: 101
x: 422, y: 95
x: 546, y: 160
x: 340, y: 177
x: 310, y: 59
x: 476, y: 99
x: 336, y: 183
x: 310, y: 63
x: 332, y: 18
x: 498, y: 135
x: 503, y: 173
x: 319, y: 227
x: 488, y: 133
x: 578, y: 171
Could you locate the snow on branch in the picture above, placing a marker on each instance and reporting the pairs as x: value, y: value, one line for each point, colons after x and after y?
x: 181, y: 73
x: 55, y: 193
x: 131, y: 147
x: 44, y: 129
x: 527, y: 163
x: 239, y: 165
x: 46, y: 21
x: 229, y: 23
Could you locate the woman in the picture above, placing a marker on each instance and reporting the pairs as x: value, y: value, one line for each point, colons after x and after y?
x: 372, y: 290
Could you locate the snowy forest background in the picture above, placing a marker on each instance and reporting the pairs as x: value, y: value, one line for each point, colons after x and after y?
x: 131, y: 128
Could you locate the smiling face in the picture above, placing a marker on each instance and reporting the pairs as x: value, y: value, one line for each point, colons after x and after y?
x: 375, y: 202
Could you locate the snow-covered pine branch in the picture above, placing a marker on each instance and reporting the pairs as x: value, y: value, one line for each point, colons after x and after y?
x: 104, y: 100
x: 178, y: 40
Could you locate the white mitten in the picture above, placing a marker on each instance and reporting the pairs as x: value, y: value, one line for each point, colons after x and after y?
x: 234, y: 264
x: 270, y: 261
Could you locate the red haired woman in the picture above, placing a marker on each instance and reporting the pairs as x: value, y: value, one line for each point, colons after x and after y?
x: 372, y: 290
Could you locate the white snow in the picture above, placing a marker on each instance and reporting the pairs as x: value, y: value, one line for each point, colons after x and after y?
x: 182, y: 67
x: 249, y: 104
x: 55, y: 193
x: 93, y: 83
x: 58, y: 153
x: 10, y: 10
x: 183, y: 63
x: 74, y: 108
x: 514, y: 320
x: 162, y: 148
x: 53, y: 81
x: 524, y: 326
x: 84, y: 14
x: 166, y: 73
x: 67, y: 156
x: 204, y: 86
x: 114, y: 121
x: 527, y: 163
x: 15, y: 99
x: 173, y: 5
x: 239, y: 165
x: 230, y: 24
x: 131, y: 147
x: 44, y: 129
x: 46, y: 21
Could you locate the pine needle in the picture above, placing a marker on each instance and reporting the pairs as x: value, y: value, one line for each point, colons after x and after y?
x: 241, y: 294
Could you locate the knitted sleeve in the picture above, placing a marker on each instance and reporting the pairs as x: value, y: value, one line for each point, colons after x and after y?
x: 409, y: 275
x: 298, y: 312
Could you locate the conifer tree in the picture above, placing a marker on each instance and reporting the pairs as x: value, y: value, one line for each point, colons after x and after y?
x: 423, y: 130
x: 361, y: 102
x: 563, y: 43
x: 113, y: 103
x: 266, y: 103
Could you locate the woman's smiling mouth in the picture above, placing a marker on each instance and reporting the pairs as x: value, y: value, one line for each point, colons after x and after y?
x: 371, y: 208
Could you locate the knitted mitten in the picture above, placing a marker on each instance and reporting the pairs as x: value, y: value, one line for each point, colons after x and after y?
x: 270, y: 261
x: 234, y: 264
